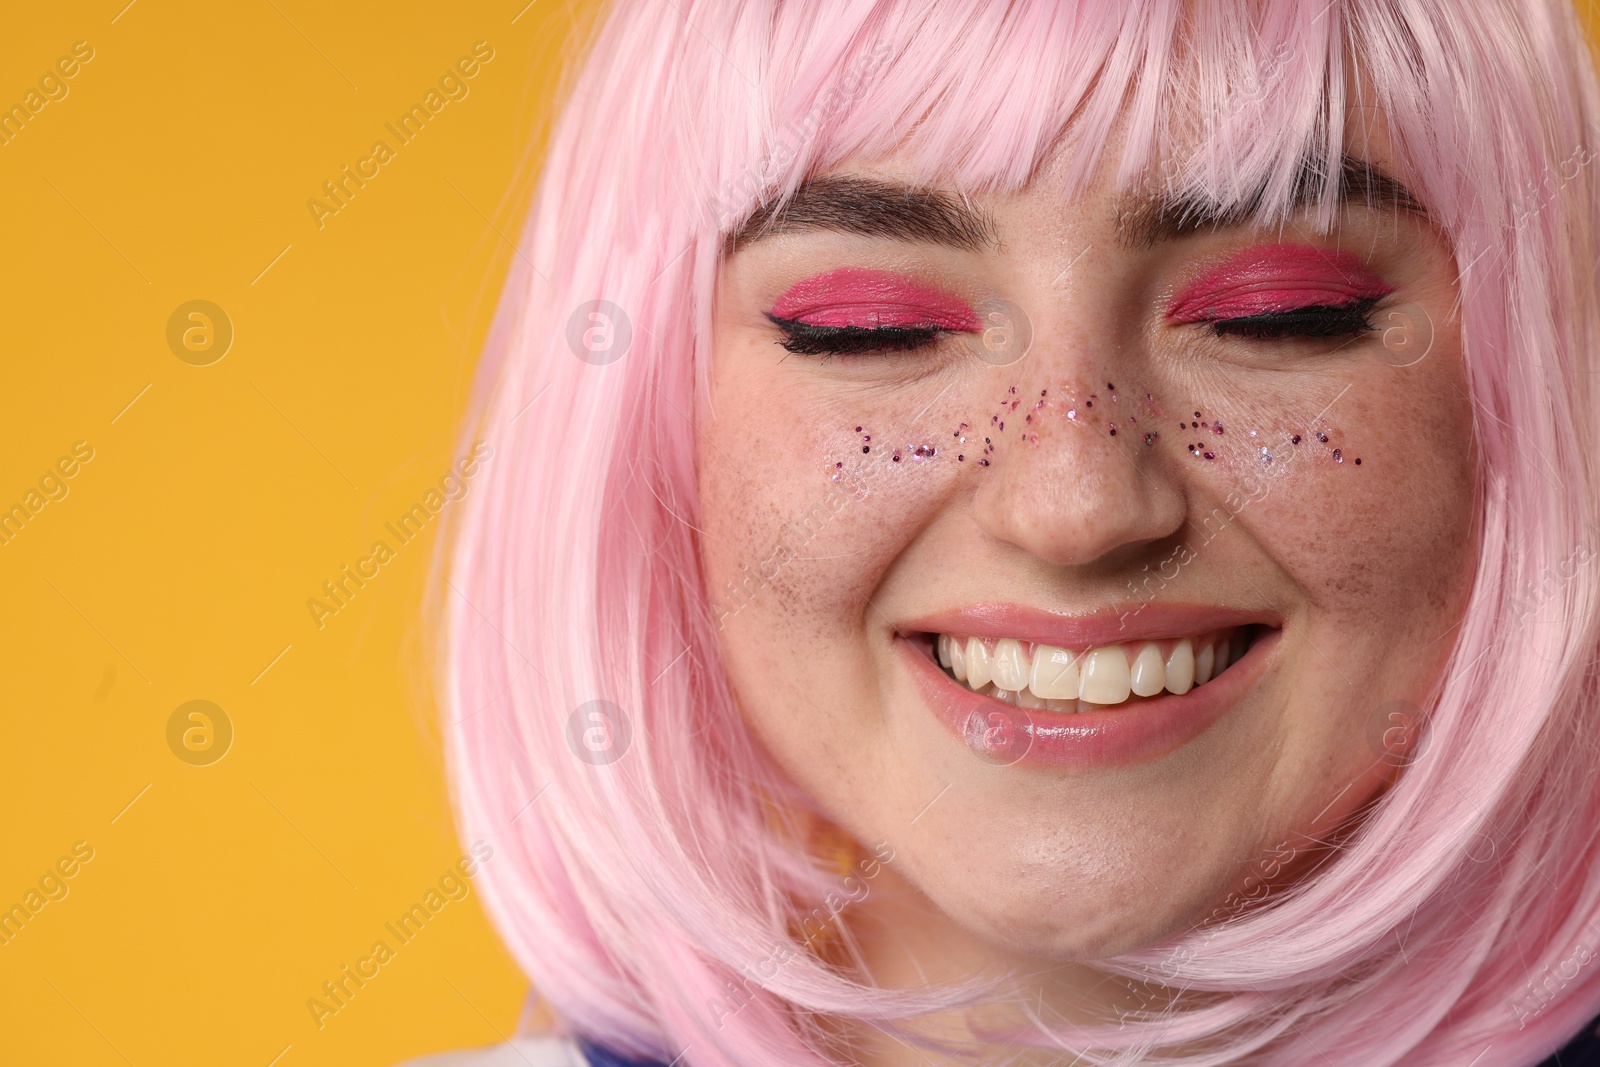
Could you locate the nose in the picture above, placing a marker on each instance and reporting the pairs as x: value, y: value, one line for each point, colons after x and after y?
x: 1077, y: 484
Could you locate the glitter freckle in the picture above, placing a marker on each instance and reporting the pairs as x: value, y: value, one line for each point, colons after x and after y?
x: 1295, y: 439
x: 1211, y: 455
x: 1338, y: 456
x: 1150, y: 438
x: 1358, y: 461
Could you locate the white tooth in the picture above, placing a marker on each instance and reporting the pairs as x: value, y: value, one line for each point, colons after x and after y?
x: 1009, y: 664
x: 1203, y: 664
x: 958, y: 659
x: 1055, y: 673
x: 1105, y: 676
x: 944, y: 650
x: 1180, y: 668
x: 1148, y: 675
x: 977, y: 663
x: 1005, y: 696
x: 1222, y: 659
x: 1026, y: 699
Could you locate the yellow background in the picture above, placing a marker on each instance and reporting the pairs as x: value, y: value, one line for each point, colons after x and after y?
x: 218, y: 501
x: 179, y: 564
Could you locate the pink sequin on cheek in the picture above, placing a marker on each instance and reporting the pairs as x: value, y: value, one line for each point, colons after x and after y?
x: 1273, y: 278
x: 855, y: 296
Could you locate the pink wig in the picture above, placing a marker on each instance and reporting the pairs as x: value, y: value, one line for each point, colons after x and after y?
x: 1461, y: 919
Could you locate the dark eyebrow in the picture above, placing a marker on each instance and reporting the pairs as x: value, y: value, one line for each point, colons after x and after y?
x: 871, y: 207
x: 1144, y: 221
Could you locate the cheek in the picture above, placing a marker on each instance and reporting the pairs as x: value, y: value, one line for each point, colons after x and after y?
x: 798, y: 527
x: 808, y: 493
x: 1380, y: 547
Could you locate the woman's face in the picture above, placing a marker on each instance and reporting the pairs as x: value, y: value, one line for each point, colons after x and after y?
x: 972, y: 569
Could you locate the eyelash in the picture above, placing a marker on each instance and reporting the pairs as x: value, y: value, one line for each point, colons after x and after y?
x: 807, y: 339
x: 1316, y: 321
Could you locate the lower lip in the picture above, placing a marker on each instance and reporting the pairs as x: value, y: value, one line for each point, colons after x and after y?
x: 1142, y: 729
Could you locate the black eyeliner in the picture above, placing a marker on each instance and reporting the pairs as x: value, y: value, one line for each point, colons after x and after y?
x: 809, y: 339
x: 1320, y: 320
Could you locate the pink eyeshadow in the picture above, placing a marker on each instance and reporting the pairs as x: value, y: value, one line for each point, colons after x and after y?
x: 855, y: 296
x: 1276, y: 278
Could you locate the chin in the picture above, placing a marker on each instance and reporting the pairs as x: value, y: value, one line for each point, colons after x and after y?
x: 1069, y: 894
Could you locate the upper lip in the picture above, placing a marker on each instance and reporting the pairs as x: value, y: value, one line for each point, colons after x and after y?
x: 1149, y: 622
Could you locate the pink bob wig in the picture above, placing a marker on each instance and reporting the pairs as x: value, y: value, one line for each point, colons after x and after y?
x: 642, y: 881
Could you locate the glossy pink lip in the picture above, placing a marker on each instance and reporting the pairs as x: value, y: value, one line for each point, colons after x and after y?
x: 855, y: 296
x: 1272, y: 278
x: 1141, y: 730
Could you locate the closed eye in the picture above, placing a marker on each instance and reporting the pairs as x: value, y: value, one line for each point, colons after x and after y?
x: 1317, y: 320
x: 804, y: 338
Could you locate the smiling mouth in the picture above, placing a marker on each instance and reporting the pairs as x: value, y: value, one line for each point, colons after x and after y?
x: 1069, y: 681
